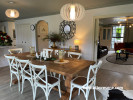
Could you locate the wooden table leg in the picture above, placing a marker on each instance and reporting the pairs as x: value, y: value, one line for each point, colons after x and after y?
x: 66, y: 95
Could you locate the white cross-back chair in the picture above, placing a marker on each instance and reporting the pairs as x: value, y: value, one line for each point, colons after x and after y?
x: 26, y: 72
x: 15, y: 51
x: 47, y: 53
x: 70, y: 54
x: 57, y: 52
x: 14, y: 69
x: 46, y: 82
x: 85, y: 84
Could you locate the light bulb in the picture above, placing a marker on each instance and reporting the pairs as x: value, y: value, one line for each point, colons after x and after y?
x: 72, y: 12
x: 12, y: 14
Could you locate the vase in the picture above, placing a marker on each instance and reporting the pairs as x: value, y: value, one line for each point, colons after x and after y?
x: 61, y: 55
x: 32, y: 51
x: 54, y: 45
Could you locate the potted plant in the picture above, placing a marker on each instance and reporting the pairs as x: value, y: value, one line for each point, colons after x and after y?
x: 54, y: 37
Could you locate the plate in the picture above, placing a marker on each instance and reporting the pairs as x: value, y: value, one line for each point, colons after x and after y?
x: 64, y: 62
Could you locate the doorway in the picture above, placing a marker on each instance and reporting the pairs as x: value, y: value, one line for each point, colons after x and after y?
x: 41, y: 32
x: 108, y: 32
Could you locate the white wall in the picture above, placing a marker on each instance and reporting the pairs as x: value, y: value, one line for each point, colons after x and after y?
x: 85, y: 27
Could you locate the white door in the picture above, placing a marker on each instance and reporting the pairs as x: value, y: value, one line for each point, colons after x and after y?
x: 23, y: 36
x: 106, y: 36
x: 42, y: 31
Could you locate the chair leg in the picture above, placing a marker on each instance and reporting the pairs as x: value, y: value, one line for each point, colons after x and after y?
x: 95, y: 94
x: 18, y: 83
x: 59, y: 90
x: 79, y: 92
x: 11, y: 80
x: 87, y: 94
x: 71, y: 93
x: 33, y: 90
x: 34, y: 94
x: 46, y: 93
x: 22, y: 84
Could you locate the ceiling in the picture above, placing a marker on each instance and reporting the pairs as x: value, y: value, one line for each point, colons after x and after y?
x: 36, y: 8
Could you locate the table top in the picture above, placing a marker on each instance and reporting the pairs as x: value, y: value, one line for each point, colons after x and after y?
x: 70, y: 69
x: 122, y: 52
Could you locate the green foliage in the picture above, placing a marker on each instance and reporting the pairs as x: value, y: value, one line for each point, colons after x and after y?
x: 54, y: 37
x: 5, y: 40
x: 118, y: 33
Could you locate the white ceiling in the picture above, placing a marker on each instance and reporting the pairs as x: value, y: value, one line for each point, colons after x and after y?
x: 36, y: 8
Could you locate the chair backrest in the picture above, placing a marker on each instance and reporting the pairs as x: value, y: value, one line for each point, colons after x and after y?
x: 70, y: 54
x: 57, y: 52
x: 24, y: 65
x: 15, y: 51
x: 92, y: 72
x: 12, y: 62
x: 47, y: 53
x: 38, y: 70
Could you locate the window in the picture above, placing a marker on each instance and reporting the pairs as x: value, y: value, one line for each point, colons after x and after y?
x: 117, y: 35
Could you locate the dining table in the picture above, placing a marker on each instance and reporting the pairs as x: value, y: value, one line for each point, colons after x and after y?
x: 70, y: 69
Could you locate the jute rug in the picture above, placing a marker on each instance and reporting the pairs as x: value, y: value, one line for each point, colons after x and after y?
x: 112, y: 59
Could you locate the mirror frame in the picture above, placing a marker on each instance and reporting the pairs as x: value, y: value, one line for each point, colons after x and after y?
x: 72, y: 32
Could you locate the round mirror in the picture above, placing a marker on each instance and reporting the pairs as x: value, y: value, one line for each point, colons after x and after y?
x: 67, y: 29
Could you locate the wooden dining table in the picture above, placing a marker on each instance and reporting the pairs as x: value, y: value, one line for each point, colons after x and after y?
x: 69, y: 70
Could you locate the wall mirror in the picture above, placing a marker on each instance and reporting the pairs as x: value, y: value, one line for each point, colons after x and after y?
x: 67, y: 29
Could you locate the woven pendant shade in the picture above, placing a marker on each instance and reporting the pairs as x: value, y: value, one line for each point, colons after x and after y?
x: 72, y: 12
x: 12, y: 13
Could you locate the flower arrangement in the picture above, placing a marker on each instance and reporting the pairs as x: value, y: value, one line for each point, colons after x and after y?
x: 54, y: 37
x: 5, y: 40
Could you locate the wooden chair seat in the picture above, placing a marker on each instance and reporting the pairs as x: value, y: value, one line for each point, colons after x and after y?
x: 81, y: 80
x: 51, y: 80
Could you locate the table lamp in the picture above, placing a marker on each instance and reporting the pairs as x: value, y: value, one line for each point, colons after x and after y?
x: 76, y: 43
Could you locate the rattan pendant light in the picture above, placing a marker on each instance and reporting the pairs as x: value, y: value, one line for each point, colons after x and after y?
x: 12, y: 13
x: 72, y: 12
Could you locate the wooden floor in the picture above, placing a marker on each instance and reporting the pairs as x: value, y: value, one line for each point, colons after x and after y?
x: 11, y: 93
x: 104, y: 78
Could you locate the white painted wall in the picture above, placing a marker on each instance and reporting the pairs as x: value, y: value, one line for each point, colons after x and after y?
x: 85, y: 27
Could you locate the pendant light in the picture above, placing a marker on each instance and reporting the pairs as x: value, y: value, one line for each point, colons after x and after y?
x: 12, y: 13
x: 72, y: 12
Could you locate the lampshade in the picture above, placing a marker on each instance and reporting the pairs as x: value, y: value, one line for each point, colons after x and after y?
x: 76, y: 41
x: 72, y: 12
x: 12, y: 13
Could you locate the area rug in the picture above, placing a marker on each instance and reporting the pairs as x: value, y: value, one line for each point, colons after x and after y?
x: 117, y: 95
x: 112, y: 59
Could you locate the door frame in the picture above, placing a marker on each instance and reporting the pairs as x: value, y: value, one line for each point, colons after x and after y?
x: 96, y: 29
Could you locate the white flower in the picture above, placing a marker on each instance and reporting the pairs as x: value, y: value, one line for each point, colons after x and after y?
x: 6, y: 40
x: 4, y: 36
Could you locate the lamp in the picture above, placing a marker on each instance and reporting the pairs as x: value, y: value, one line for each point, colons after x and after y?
x: 12, y: 13
x: 72, y: 12
x: 76, y: 43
